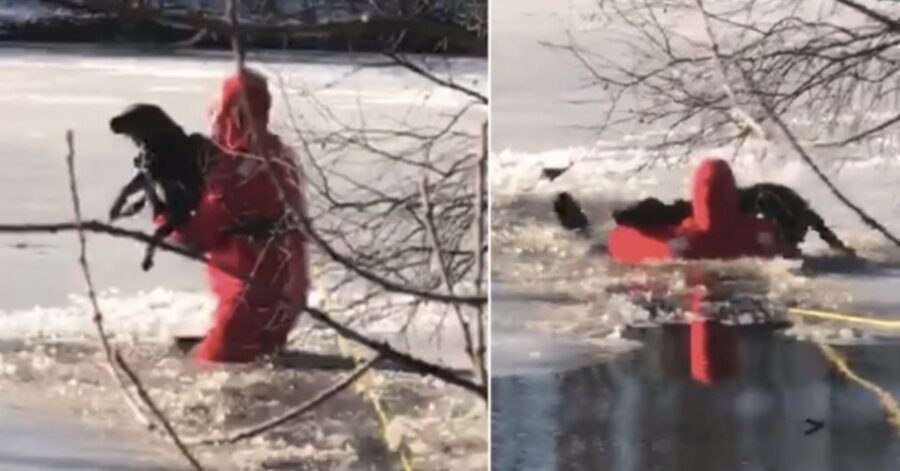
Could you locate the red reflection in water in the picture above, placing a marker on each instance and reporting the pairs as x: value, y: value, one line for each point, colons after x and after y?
x: 713, y: 345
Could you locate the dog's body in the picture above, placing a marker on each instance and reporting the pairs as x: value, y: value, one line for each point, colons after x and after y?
x: 170, y: 169
x: 779, y: 204
x: 570, y: 214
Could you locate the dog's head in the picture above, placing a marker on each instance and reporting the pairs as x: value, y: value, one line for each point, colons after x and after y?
x: 147, y: 125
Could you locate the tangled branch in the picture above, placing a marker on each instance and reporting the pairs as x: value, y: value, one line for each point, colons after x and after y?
x: 826, y: 80
x: 421, y: 366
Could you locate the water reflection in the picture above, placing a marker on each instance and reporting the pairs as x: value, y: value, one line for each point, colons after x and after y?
x: 701, y: 396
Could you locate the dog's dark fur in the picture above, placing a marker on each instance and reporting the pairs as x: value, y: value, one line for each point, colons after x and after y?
x: 779, y: 204
x: 170, y: 169
x: 569, y: 213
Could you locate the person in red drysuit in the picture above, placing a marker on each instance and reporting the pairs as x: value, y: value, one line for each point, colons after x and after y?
x: 241, y: 191
x: 716, y: 229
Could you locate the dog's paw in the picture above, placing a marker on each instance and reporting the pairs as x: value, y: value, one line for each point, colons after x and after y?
x: 134, y: 208
x: 147, y: 264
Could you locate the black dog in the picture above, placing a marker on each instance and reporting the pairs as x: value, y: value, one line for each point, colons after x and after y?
x: 170, y: 169
x: 779, y: 204
x: 570, y: 215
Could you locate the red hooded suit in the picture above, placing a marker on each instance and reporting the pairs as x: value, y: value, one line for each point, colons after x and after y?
x: 249, y: 320
x: 717, y: 228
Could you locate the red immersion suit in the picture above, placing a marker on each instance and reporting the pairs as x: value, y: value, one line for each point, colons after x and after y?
x: 717, y: 228
x: 249, y: 320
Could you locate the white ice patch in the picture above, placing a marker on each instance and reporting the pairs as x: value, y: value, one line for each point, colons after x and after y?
x: 155, y: 315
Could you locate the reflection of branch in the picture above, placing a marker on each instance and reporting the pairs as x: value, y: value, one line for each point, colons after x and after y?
x: 111, y: 354
x: 423, y: 367
x: 298, y: 411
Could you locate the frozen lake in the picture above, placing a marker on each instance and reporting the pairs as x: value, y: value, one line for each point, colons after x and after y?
x: 43, y: 92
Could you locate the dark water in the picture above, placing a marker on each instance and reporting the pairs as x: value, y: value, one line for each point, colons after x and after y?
x: 700, y: 398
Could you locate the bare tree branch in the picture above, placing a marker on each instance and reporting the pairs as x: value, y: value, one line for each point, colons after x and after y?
x: 892, y: 24
x: 447, y: 83
x: 111, y: 354
x: 444, y: 271
x: 298, y: 411
x: 865, y: 217
x: 421, y: 366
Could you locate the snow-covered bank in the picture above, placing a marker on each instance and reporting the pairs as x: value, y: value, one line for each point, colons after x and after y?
x: 451, y: 24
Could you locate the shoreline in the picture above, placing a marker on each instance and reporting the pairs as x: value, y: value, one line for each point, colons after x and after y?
x: 359, y: 36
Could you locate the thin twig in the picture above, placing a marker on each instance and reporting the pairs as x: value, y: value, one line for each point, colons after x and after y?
x: 745, y: 118
x: 892, y: 24
x: 92, y: 296
x: 298, y: 411
x: 447, y: 83
x: 421, y: 366
x: 792, y: 139
x: 101, y: 227
x: 444, y: 271
x: 480, y: 225
x: 111, y: 354
x: 237, y: 46
x: 307, y: 230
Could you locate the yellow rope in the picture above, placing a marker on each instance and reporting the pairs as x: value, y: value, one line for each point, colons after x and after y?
x: 837, y: 316
x: 887, y: 400
x: 367, y: 392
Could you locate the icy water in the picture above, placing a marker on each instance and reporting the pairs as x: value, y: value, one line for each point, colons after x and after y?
x: 36, y: 441
x: 654, y: 409
x: 575, y: 388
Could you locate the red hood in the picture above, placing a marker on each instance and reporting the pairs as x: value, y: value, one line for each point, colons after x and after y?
x: 715, y: 196
x: 232, y: 126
